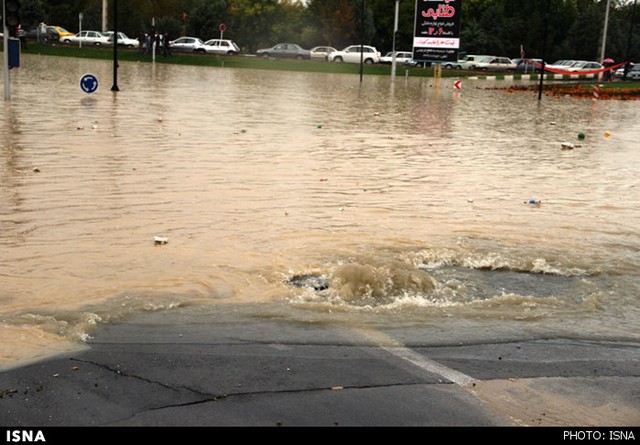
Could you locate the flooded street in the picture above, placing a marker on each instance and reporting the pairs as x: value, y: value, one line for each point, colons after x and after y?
x: 406, y: 203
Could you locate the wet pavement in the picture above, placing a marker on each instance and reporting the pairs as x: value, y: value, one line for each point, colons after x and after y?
x: 160, y: 369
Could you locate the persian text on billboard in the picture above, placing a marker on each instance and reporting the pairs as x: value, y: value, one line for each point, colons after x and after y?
x: 437, y: 34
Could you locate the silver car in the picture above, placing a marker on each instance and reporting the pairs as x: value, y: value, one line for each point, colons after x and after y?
x: 87, y: 38
x: 632, y: 74
x: 123, y: 40
x: 192, y: 44
x: 285, y: 51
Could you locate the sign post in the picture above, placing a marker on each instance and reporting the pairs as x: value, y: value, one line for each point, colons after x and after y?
x: 89, y: 83
x: 437, y: 30
x: 115, y: 87
x: 222, y: 29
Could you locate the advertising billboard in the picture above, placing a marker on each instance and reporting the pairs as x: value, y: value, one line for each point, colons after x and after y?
x: 437, y: 30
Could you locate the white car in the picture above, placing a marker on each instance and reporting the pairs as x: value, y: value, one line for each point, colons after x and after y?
x: 352, y: 54
x: 402, y: 57
x: 632, y: 74
x: 220, y: 46
x: 467, y: 61
x: 582, y: 65
x: 494, y: 64
x: 321, y: 52
x: 192, y: 44
x: 87, y: 37
x: 123, y: 40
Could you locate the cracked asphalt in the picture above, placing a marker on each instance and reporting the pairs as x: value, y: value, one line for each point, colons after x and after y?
x: 171, y: 369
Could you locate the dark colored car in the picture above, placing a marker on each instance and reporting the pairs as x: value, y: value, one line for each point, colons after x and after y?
x: 527, y: 66
x: 285, y: 50
x: 55, y: 33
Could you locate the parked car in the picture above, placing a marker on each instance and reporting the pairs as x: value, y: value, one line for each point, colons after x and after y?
x: 620, y: 71
x: 123, y: 40
x: 221, y: 46
x: 582, y: 65
x: 56, y: 33
x: 321, y: 52
x: 451, y: 65
x: 402, y: 57
x: 285, y: 50
x: 561, y: 64
x: 528, y: 65
x: 189, y: 44
x: 632, y: 74
x: 467, y: 61
x: 86, y: 38
x: 494, y: 64
x: 352, y: 54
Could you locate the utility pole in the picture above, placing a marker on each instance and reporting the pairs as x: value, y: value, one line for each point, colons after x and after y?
x: 604, y: 31
x: 362, y: 41
x: 393, y: 46
x: 104, y: 15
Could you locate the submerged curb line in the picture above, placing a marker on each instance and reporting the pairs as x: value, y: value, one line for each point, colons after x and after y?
x: 535, y: 77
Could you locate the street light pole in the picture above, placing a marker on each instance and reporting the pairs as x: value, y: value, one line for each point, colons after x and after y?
x: 393, y: 46
x: 104, y: 15
x: 362, y: 41
x: 80, y: 17
x: 604, y: 32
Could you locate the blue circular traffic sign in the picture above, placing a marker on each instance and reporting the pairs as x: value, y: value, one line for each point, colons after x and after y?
x: 89, y: 83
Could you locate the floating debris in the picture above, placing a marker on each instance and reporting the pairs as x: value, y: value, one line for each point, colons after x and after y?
x: 160, y: 240
x: 568, y: 146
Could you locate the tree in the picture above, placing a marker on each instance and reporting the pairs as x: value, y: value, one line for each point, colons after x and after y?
x: 338, y: 20
x: 488, y: 26
x: 289, y: 25
x: 384, y: 13
x: 253, y: 20
x: 205, y: 17
x: 32, y: 12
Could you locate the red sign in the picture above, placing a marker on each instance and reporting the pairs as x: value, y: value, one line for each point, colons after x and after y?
x: 457, y: 84
x: 222, y: 27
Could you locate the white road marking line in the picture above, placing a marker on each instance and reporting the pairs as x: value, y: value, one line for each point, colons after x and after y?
x: 429, y: 365
x: 396, y: 348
